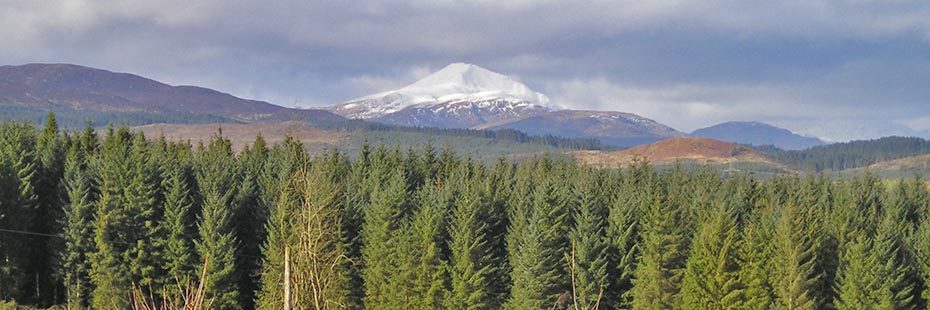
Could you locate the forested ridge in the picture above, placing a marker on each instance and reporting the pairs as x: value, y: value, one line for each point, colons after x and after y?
x: 117, y: 220
x: 848, y: 155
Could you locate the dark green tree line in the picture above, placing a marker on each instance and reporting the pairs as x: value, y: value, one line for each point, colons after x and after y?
x: 88, y: 216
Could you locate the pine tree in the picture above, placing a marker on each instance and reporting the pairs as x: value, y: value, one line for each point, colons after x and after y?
x: 590, y: 258
x: 280, y: 235
x: 18, y: 200
x: 143, y: 202
x: 499, y: 187
x: 249, y: 219
x: 659, y: 272
x: 796, y: 257
x: 623, y: 223
x: 472, y: 262
x: 217, y: 244
x: 112, y: 226
x: 540, y: 277
x: 78, y: 231
x: 920, y: 242
x: 712, y: 272
x: 384, y: 220
x: 50, y: 157
x: 126, y: 222
x: 875, y: 271
x: 756, y: 257
x: 428, y: 229
x: 180, y: 259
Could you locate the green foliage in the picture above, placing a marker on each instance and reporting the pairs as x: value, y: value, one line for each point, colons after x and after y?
x: 18, y: 205
x: 423, y: 229
x: 540, y: 275
x: 382, y: 233
x: 756, y: 260
x: 589, y: 258
x: 797, y: 242
x: 876, y: 271
x: 78, y: 231
x: 429, y: 265
x: 660, y: 270
x: 217, y: 245
x: 472, y: 263
x: 712, y: 273
x: 125, y: 228
x: 623, y: 223
x: 181, y: 264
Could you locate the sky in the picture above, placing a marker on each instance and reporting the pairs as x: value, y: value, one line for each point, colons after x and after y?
x: 839, y: 69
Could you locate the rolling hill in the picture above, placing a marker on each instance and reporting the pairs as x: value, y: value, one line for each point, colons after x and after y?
x: 80, y: 92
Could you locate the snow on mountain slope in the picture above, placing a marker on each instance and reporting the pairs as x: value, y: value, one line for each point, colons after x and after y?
x: 453, y: 85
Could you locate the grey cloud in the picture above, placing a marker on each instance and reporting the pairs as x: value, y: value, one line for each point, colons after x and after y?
x: 803, y: 64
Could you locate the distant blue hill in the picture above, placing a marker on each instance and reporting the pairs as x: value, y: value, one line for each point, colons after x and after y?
x: 756, y: 133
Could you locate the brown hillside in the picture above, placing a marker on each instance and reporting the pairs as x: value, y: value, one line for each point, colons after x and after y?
x: 691, y: 149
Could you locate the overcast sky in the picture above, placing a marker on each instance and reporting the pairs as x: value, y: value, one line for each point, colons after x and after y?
x: 836, y: 69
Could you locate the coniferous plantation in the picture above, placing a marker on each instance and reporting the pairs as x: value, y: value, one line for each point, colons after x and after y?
x: 116, y: 220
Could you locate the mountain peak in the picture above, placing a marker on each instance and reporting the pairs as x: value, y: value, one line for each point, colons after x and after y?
x: 454, y: 83
x: 472, y: 81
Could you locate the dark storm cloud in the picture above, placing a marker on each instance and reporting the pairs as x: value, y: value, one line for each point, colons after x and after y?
x: 819, y: 67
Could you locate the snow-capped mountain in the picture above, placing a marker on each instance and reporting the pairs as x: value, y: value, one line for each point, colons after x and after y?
x: 459, y: 95
x: 468, y: 96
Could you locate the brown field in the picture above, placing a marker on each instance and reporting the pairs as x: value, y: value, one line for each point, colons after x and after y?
x: 243, y: 134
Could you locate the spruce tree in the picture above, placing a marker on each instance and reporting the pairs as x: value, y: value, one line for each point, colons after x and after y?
x: 876, y: 270
x: 796, y: 257
x: 113, y: 229
x: 78, y: 231
x: 249, y: 219
x: 385, y: 219
x: 472, y: 264
x: 50, y: 157
x: 589, y: 257
x: 540, y: 275
x: 179, y: 254
x: 756, y: 257
x: 712, y: 272
x: 920, y: 243
x: 217, y: 244
x: 660, y: 269
x: 499, y: 187
x: 143, y: 202
x: 623, y: 223
x: 279, y: 236
x: 430, y: 267
x: 18, y: 173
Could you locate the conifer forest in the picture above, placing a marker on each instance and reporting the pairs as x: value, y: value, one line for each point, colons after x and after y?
x: 111, y: 219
